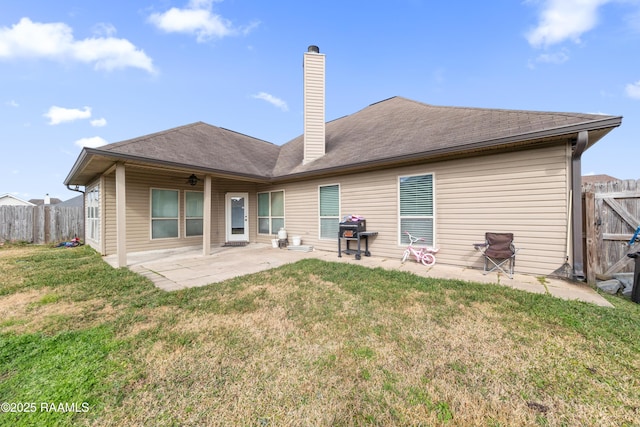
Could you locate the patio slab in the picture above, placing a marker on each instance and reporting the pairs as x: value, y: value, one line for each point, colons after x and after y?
x: 172, y: 270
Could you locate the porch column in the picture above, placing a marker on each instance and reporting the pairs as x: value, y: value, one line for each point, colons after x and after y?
x: 121, y: 216
x: 206, y: 220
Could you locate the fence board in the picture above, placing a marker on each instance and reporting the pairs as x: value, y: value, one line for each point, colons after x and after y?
x: 41, y: 224
x: 616, y: 215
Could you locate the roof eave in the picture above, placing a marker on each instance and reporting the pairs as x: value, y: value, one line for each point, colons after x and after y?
x: 77, y: 166
x: 87, y: 153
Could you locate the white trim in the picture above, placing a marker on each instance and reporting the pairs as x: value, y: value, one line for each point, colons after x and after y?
x: 339, y: 210
x: 228, y: 218
x: 93, y: 222
x: 433, y: 203
x: 151, y: 238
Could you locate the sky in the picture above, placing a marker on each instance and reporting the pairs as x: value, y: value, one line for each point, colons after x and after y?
x: 83, y: 73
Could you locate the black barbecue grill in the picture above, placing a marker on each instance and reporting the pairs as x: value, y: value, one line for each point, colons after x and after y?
x: 354, y: 230
x: 351, y: 229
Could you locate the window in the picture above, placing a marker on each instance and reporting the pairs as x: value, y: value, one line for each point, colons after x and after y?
x: 93, y: 213
x: 416, y: 207
x: 329, y: 211
x: 194, y: 207
x: 164, y: 213
x: 270, y: 212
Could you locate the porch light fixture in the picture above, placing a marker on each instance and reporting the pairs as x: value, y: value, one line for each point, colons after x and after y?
x: 193, y: 179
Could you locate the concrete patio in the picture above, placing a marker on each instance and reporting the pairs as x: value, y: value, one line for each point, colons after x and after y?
x: 176, y: 269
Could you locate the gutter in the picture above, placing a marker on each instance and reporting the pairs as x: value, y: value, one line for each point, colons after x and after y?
x: 576, y: 189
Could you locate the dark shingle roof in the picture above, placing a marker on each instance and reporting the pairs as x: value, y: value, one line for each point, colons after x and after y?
x: 205, y: 146
x: 402, y: 128
x: 396, y: 129
x: 73, y: 202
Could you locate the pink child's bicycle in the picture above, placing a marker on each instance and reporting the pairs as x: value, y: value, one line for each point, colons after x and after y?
x: 425, y: 255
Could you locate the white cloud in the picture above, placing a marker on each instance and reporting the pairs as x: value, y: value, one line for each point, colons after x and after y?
x: 55, y: 41
x: 564, y: 19
x: 197, y: 18
x: 104, y: 29
x: 93, y: 142
x: 12, y: 103
x: 633, y: 90
x: 57, y: 115
x: 99, y: 122
x: 277, y: 102
x: 553, y: 58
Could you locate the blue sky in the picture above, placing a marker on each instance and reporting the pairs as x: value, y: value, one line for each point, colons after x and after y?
x: 82, y: 73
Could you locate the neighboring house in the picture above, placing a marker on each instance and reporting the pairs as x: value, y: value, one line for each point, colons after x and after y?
x: 74, y: 202
x: 448, y: 174
x: 46, y: 201
x: 596, y: 179
x: 11, y: 200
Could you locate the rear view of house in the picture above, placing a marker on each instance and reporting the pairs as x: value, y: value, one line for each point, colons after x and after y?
x: 448, y: 174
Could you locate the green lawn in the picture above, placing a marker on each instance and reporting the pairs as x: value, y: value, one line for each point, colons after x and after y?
x: 312, y: 343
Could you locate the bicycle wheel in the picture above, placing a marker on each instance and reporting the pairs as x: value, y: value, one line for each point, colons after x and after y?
x: 428, y: 259
x: 405, y: 255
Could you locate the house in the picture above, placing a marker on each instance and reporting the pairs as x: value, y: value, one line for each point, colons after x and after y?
x: 46, y: 201
x: 595, y: 179
x: 74, y: 202
x: 448, y: 174
x: 11, y: 200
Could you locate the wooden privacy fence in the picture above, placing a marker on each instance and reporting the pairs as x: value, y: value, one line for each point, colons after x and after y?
x: 611, y: 216
x: 41, y: 224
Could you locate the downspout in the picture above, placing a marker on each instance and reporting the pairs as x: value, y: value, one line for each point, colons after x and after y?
x: 84, y: 212
x: 576, y: 189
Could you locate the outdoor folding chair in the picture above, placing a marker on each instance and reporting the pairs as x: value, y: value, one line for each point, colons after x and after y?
x: 498, y: 250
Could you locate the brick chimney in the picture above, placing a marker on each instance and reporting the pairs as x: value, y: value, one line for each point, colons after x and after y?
x: 314, y: 134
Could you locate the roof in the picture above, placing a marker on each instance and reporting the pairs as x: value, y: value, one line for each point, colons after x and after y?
x: 594, y: 179
x: 390, y: 131
x: 402, y: 129
x: 40, y: 202
x: 17, y: 199
x: 73, y: 202
x: 202, y: 145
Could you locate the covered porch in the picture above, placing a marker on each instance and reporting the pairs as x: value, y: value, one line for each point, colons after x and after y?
x: 145, y: 208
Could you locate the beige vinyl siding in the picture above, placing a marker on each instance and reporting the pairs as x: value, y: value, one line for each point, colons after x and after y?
x: 139, y: 182
x: 523, y: 192
x: 314, y: 102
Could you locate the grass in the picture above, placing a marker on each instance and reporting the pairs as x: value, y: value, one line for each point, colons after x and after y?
x: 312, y: 343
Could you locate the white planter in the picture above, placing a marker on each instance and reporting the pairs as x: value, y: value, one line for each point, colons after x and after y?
x: 297, y: 240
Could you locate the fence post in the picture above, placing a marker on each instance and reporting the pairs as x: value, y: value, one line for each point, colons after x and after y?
x: 47, y: 224
x: 590, y: 236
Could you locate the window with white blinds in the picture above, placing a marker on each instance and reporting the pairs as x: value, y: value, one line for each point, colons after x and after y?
x: 416, y: 207
x: 329, y: 196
